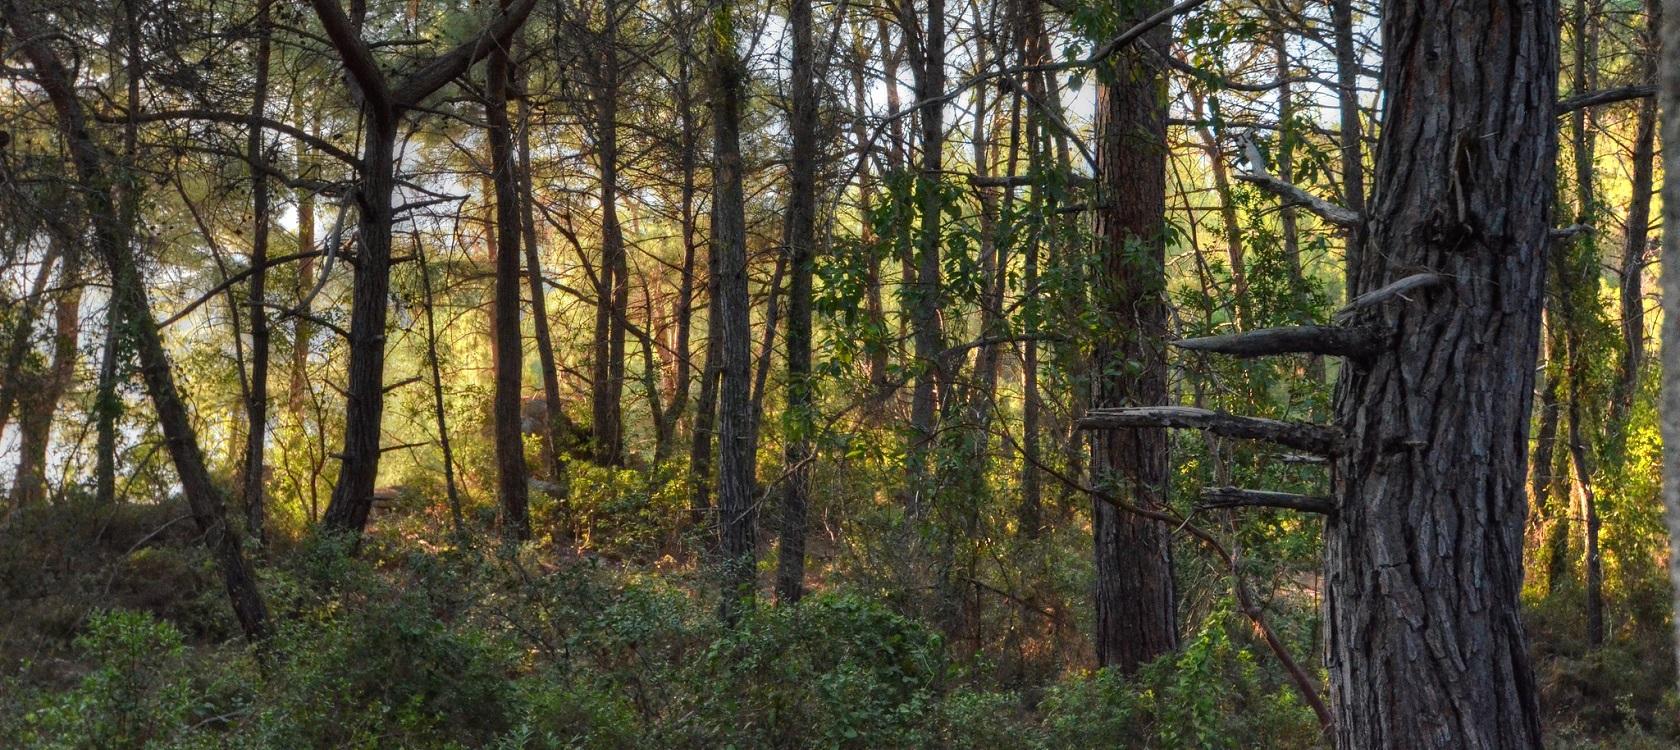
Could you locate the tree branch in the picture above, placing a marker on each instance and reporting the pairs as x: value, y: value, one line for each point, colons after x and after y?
x: 1334, y: 341
x: 1341, y: 217
x: 443, y: 68
x: 358, y: 59
x: 235, y: 118
x: 1607, y: 96
x: 1298, y: 435
x: 1236, y: 497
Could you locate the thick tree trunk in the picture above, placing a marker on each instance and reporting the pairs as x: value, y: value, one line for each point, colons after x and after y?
x: 801, y: 237
x: 731, y: 321
x: 1424, y: 555
x: 508, y: 348
x: 1135, y: 602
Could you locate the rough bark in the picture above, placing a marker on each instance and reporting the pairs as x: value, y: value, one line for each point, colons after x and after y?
x: 1423, y: 559
x: 384, y: 103
x: 612, y: 292
x: 1136, y: 618
x: 1669, y: 87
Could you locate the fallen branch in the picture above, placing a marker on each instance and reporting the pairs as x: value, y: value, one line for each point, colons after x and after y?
x: 1298, y: 435
x: 1236, y: 497
x: 1334, y: 341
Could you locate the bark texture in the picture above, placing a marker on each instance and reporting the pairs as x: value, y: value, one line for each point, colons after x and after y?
x: 1135, y: 602
x: 1424, y: 558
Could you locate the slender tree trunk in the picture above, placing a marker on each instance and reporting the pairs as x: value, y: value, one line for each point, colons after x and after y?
x: 1352, y: 144
x: 1425, y: 648
x: 688, y: 163
x: 926, y: 294
x: 13, y: 382
x: 1135, y: 602
x: 607, y: 391
x: 508, y: 347
x: 551, y: 425
x: 875, y: 316
x: 256, y: 400
x: 801, y: 237
x: 732, y: 322
x: 438, y: 414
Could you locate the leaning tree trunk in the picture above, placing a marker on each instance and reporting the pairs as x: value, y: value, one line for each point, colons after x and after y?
x: 131, y: 300
x: 1134, y: 596
x: 1424, y: 556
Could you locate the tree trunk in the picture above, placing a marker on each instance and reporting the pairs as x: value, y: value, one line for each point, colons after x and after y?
x: 364, y: 394
x: 508, y: 347
x: 732, y: 323
x: 801, y: 237
x: 1424, y: 555
x: 256, y: 397
x: 612, y: 296
x: 550, y: 428
x: 1669, y: 92
x: 1135, y: 616
x: 1352, y: 144
x: 40, y: 404
x: 926, y: 295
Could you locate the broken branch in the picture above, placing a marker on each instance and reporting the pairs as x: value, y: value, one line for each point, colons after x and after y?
x: 1334, y: 341
x: 1298, y: 435
x: 1237, y: 497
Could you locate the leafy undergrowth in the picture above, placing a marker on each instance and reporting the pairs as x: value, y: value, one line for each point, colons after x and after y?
x: 116, y: 636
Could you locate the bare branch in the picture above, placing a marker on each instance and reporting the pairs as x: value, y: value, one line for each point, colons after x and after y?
x: 1338, y: 215
x: 1298, y: 435
x: 236, y: 118
x: 1236, y: 497
x: 1607, y: 96
x: 1334, y: 341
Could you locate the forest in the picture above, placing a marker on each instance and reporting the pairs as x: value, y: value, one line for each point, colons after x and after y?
x: 1002, y: 374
